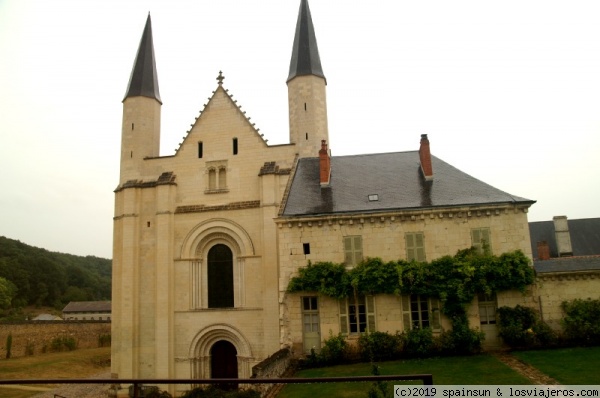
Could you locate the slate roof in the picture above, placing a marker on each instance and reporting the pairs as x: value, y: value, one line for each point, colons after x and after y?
x: 305, y: 53
x: 585, y: 236
x: 143, y: 81
x: 88, y: 306
x: 397, y: 180
x: 567, y: 264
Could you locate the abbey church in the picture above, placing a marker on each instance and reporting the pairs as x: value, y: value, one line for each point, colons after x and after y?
x: 206, y: 240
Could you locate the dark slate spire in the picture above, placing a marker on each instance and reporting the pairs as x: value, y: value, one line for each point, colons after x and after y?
x: 305, y: 54
x: 144, y: 79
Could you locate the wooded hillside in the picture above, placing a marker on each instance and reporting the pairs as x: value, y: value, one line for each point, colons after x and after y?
x: 34, y: 276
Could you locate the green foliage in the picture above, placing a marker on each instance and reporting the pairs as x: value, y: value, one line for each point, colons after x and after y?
x: 379, y: 389
x: 214, y: 392
x: 521, y: 327
x: 461, y: 339
x: 582, y: 321
x: 455, y: 280
x: 418, y: 343
x: 155, y: 392
x: 104, y: 340
x: 8, y: 345
x: 8, y: 291
x: 29, y: 348
x: 63, y: 343
x: 325, y: 278
x: 373, y: 276
x: 379, y: 346
x: 335, y: 350
x: 47, y: 278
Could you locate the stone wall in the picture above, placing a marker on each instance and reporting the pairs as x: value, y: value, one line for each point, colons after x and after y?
x: 39, y: 335
x: 271, y: 368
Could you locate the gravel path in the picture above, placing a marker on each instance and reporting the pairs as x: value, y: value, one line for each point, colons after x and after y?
x: 525, y: 369
x: 81, y: 390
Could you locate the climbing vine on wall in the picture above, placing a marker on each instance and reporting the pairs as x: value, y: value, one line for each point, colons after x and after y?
x: 455, y: 280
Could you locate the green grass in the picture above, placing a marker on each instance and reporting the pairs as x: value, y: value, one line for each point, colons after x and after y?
x: 69, y: 365
x: 566, y: 365
x: 480, y: 369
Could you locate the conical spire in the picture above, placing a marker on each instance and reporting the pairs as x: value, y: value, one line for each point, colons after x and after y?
x: 144, y: 79
x: 305, y: 54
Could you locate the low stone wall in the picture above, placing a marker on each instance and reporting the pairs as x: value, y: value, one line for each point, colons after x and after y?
x: 271, y: 368
x: 38, y: 335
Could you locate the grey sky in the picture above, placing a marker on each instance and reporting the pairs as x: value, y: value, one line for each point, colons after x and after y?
x: 508, y: 92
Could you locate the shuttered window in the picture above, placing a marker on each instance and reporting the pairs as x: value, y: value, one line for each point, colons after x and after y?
x: 353, y: 253
x: 415, y: 246
x: 419, y: 312
x: 357, y: 315
x: 481, y: 239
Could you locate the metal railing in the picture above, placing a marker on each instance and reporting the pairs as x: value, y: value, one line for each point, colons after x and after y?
x: 427, y: 379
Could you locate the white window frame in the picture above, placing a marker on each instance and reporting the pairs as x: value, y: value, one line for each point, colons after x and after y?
x: 414, y: 306
x: 350, y: 315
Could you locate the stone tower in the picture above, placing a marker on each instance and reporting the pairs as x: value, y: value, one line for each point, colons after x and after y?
x: 141, y: 111
x: 306, y: 89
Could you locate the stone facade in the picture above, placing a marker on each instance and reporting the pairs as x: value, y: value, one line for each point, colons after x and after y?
x: 383, y: 235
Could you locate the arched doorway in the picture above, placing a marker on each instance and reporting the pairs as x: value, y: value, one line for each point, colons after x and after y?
x: 220, y: 277
x: 223, y: 363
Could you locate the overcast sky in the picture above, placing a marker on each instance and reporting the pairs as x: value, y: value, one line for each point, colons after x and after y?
x: 508, y: 92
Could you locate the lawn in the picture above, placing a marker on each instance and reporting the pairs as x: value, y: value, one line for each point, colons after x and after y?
x: 480, y: 369
x: 68, y: 365
x: 580, y: 365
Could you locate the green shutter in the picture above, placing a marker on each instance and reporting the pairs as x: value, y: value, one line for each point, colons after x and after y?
x: 358, y: 255
x: 348, y: 257
x: 406, y: 312
x: 436, y: 314
x: 370, y: 303
x: 343, y: 317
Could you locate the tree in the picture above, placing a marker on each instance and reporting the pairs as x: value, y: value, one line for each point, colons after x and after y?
x: 7, y: 292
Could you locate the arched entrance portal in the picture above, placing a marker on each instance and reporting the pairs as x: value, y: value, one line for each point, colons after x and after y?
x: 223, y: 363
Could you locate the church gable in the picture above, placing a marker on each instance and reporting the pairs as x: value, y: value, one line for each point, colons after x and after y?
x: 220, y: 131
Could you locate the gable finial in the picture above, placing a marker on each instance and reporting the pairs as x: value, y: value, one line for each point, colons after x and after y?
x: 220, y: 78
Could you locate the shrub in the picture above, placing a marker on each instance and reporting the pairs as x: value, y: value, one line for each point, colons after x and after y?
x: 104, y: 340
x: 582, y: 321
x: 8, y: 345
x: 335, y: 350
x: 63, y: 343
x: 29, y: 348
x: 462, y: 340
x: 417, y: 343
x: 379, y: 346
x: 521, y: 327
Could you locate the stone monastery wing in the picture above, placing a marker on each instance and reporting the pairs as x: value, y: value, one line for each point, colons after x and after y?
x: 395, y: 178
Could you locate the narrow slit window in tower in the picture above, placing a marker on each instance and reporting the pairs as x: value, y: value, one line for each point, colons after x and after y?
x: 307, y: 136
x: 306, y: 247
x: 235, y: 146
x: 200, y: 149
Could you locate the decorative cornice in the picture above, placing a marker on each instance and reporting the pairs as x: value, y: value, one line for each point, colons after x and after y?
x: 251, y: 204
x: 400, y: 216
x: 569, y: 275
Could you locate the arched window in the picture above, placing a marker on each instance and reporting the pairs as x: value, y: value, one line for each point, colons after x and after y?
x: 222, y: 178
x: 212, y: 179
x: 220, y: 277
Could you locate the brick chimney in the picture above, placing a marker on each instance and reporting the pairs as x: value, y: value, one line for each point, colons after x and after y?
x: 543, y: 250
x: 324, y: 164
x: 425, y: 157
x: 563, y: 236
